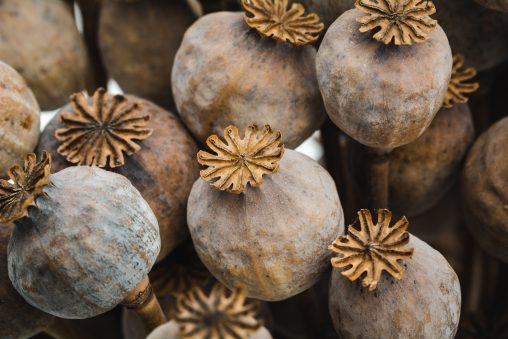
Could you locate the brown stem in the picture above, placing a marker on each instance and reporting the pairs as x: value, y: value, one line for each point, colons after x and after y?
x: 379, y: 175
x: 145, y: 303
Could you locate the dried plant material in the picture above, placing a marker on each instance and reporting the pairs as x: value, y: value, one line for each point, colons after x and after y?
x: 241, y: 161
x: 373, y: 248
x: 219, y: 315
x: 24, y: 187
x: 273, y: 18
x: 457, y: 88
x: 404, y: 21
x: 101, y: 131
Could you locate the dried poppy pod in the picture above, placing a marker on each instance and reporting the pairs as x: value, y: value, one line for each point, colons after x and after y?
x: 227, y: 71
x: 218, y: 315
x: 485, y: 190
x: 30, y: 32
x: 268, y: 237
x: 500, y: 5
x: 162, y: 167
x: 140, y: 57
x: 385, y: 305
x: 18, y: 319
x: 382, y: 94
x: 86, y: 245
x: 19, y: 118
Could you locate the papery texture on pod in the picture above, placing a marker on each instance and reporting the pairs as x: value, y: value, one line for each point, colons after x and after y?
x: 88, y: 243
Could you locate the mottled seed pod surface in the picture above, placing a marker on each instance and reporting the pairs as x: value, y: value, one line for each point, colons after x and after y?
x: 86, y: 246
x: 163, y: 170
x: 273, y: 239
x: 500, y: 5
x: 425, y: 303
x: 475, y: 31
x: 225, y: 73
x: 170, y: 330
x: 17, y: 318
x: 19, y: 118
x: 140, y: 56
x: 40, y: 40
x: 422, y: 171
x: 485, y: 190
x: 392, y: 101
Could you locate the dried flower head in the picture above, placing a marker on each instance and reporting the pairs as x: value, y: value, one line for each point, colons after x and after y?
x: 456, y: 87
x: 24, y: 187
x: 273, y: 18
x: 373, y: 248
x: 241, y: 161
x: 404, y: 21
x: 105, y: 129
x: 219, y: 315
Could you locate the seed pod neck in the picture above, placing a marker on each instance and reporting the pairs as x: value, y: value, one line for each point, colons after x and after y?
x: 24, y: 186
x: 283, y: 23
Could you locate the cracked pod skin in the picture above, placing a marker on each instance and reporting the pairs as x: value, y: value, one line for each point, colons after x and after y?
x: 225, y: 73
x: 423, y: 171
x: 19, y: 118
x: 163, y: 170
x: 392, y: 101
x: 500, y: 5
x: 85, y: 246
x: 17, y: 318
x: 425, y: 303
x: 485, y: 190
x: 140, y: 56
x: 272, y: 239
x: 30, y: 32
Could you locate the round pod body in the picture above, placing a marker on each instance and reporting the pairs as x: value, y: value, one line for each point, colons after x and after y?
x: 485, y: 190
x: 140, y: 56
x: 19, y: 118
x: 40, y: 40
x: 272, y: 240
x: 423, y: 171
x: 225, y: 73
x: 18, y: 319
x: 381, y: 95
x: 475, y: 31
x: 86, y: 246
x: 425, y: 303
x: 163, y: 170
x: 170, y: 330
x: 500, y: 5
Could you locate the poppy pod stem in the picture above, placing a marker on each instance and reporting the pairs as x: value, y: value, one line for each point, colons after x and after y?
x: 379, y: 176
x: 144, y: 302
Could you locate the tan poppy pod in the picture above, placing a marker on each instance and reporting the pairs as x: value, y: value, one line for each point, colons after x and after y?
x: 384, y: 89
x: 485, y: 190
x: 140, y: 56
x: 500, y: 5
x: 84, y: 240
x: 269, y: 237
x: 19, y: 118
x: 477, y: 32
x: 161, y: 167
x: 40, y: 40
x: 229, y: 71
x: 404, y: 292
x: 18, y: 319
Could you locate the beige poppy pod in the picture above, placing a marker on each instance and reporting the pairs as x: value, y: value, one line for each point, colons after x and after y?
x: 229, y: 70
x: 41, y: 41
x: 500, y: 5
x: 269, y: 237
x: 19, y: 118
x: 404, y: 292
x: 381, y: 94
x: 485, y: 190
x: 140, y: 56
